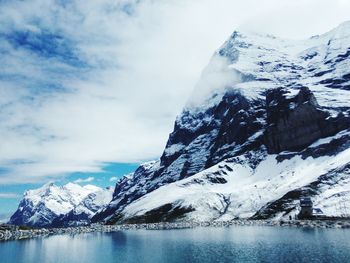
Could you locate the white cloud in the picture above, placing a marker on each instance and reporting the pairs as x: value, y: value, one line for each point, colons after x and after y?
x: 9, y: 195
x: 113, y: 179
x: 141, y: 68
x: 86, y: 180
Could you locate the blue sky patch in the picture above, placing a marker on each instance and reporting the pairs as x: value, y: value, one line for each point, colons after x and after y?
x: 102, y: 179
x: 45, y: 44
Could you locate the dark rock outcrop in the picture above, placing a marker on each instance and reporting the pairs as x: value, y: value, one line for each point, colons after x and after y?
x: 165, y: 213
x: 294, y: 123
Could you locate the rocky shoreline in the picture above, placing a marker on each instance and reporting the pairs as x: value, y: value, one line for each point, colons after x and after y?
x: 9, y: 232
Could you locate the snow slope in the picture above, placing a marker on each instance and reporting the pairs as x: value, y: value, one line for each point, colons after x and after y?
x: 233, y: 189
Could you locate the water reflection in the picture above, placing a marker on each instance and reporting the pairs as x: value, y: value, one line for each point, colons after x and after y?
x: 235, y: 244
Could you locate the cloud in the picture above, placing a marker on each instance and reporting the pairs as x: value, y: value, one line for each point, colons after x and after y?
x: 86, y: 180
x: 113, y: 179
x: 9, y: 195
x: 84, y: 83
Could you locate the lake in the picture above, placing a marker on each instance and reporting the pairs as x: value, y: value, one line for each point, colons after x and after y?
x: 233, y: 244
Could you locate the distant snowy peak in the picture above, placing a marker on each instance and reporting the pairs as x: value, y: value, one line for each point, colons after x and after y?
x: 59, y: 199
x: 85, y: 210
x: 41, y: 206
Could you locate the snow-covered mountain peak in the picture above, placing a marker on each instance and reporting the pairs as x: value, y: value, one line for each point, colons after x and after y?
x: 252, y: 63
x: 267, y: 122
x: 41, y: 206
x: 35, y: 195
x: 82, y: 213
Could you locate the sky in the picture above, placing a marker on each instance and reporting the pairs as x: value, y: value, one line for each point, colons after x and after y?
x: 90, y: 89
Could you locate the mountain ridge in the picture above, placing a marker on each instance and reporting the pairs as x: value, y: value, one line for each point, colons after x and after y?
x: 258, y: 91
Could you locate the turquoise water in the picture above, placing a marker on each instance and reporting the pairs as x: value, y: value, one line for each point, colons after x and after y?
x: 234, y: 244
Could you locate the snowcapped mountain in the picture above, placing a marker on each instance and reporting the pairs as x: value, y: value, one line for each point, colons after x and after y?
x: 267, y: 123
x: 66, y: 205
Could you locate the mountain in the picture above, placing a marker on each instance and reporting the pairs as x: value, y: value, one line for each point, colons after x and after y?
x: 267, y: 123
x: 82, y: 213
x: 66, y: 205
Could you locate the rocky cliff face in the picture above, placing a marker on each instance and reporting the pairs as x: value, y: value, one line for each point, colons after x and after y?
x: 294, y: 123
x: 268, y: 117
